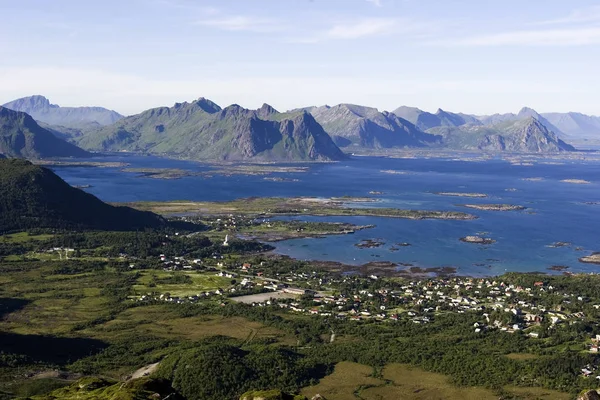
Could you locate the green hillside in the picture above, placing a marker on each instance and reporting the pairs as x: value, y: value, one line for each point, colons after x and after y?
x: 21, y: 136
x: 35, y: 197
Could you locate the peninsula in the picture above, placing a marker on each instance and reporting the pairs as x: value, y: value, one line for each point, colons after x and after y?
x: 275, y: 206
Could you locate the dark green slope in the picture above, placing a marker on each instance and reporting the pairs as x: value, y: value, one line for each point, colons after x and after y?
x: 35, y: 197
x: 21, y: 136
x: 201, y: 130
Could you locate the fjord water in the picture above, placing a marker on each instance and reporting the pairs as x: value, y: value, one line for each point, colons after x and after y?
x: 557, y: 211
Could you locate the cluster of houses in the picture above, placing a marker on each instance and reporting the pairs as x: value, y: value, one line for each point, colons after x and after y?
x: 501, y: 305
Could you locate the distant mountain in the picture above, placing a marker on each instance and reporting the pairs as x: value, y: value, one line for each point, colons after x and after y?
x: 527, y: 112
x: 21, y: 136
x: 497, y: 118
x: 523, y: 136
x: 79, y: 118
x: 35, y: 197
x: 201, y: 130
x: 575, y: 124
x: 524, y: 114
x: 425, y: 120
x: 366, y: 127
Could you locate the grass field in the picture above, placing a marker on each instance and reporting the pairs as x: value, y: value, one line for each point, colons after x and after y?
x: 22, y: 237
x: 351, y: 381
x: 201, y: 282
x: 54, y: 304
x: 344, y: 382
x: 158, y: 320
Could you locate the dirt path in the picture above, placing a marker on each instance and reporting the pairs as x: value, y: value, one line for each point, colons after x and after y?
x: 144, y: 371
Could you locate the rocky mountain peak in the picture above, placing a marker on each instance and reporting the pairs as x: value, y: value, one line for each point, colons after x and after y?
x: 528, y: 112
x: 207, y: 105
x: 265, y: 111
x: 30, y: 104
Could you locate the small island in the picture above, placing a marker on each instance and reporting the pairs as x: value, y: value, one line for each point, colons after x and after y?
x: 532, y: 179
x: 161, y: 173
x: 460, y: 194
x: 279, y: 179
x: 495, y: 207
x: 369, y: 244
x: 556, y: 245
x: 576, y: 181
x: 477, y: 240
x: 558, y: 268
x: 594, y: 258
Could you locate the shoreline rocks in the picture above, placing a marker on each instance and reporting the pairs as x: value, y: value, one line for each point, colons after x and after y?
x: 593, y: 258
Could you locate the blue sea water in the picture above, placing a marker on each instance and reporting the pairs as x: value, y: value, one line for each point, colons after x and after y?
x: 557, y: 211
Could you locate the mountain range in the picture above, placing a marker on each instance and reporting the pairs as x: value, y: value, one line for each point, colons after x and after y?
x: 21, y: 136
x: 35, y: 197
x: 366, y: 127
x: 202, y: 130
x: 73, y: 120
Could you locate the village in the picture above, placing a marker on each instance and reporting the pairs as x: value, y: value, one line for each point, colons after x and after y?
x: 536, y: 310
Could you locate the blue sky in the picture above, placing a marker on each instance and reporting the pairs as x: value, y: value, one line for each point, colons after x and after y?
x: 475, y: 56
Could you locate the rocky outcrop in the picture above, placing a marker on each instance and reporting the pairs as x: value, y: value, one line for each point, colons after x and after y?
x: 589, y: 395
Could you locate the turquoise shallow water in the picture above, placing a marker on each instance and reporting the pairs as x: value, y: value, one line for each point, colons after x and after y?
x: 556, y: 210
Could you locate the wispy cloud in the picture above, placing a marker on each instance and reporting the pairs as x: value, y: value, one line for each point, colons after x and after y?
x: 188, y: 5
x: 241, y: 23
x: 363, y: 28
x: 377, y: 3
x: 581, y: 15
x: 543, y: 37
x: 369, y: 27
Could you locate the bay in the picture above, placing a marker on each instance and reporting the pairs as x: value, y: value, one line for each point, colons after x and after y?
x: 556, y: 210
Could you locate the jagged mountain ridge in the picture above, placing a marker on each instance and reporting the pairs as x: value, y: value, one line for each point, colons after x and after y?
x: 366, y: 127
x: 527, y: 131
x: 21, y: 136
x: 201, y: 130
x: 425, y: 120
x: 524, y: 135
x: 80, y: 118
